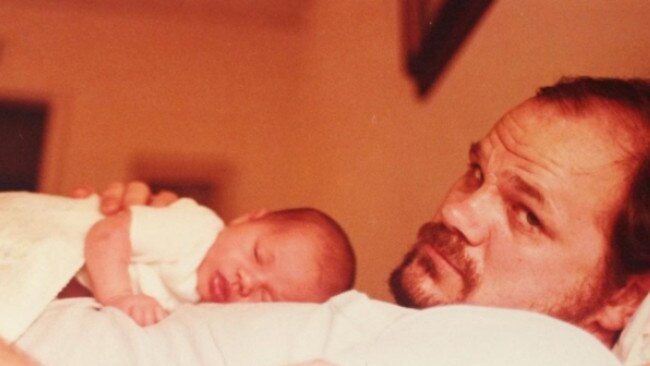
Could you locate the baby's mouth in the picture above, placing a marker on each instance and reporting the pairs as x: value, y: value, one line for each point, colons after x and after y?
x: 219, y: 288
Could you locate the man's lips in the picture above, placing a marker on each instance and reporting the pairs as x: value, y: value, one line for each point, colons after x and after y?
x: 219, y: 288
x: 436, y: 257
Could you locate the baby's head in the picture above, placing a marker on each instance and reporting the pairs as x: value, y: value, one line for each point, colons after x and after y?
x: 299, y: 255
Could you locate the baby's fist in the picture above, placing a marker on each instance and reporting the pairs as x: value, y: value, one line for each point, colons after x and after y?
x: 145, y: 310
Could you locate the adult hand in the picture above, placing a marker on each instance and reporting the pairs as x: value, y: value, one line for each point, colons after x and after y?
x: 118, y: 196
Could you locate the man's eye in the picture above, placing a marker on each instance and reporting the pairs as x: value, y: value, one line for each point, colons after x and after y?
x: 474, y: 177
x: 527, y: 218
x: 477, y: 173
x: 532, y: 219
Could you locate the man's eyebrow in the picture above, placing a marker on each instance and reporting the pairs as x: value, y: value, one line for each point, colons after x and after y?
x: 528, y: 189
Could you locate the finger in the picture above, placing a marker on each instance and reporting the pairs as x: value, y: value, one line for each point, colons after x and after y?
x: 137, y: 315
x: 82, y: 192
x: 160, y: 314
x: 137, y: 193
x: 112, y: 198
x: 163, y: 199
x: 149, y: 316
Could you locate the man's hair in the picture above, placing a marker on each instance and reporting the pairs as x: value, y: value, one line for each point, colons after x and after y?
x: 631, y: 99
x: 335, y: 255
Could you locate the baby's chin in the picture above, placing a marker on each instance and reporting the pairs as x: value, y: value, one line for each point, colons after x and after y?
x: 203, y: 288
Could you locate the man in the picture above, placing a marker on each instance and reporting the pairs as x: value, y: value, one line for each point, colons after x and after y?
x: 552, y: 215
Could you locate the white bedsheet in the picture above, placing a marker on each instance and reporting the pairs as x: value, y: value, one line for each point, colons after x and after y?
x: 470, y: 335
x: 350, y: 329
x: 79, y: 332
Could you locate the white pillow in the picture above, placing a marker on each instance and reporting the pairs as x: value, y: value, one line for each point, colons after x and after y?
x: 472, y: 335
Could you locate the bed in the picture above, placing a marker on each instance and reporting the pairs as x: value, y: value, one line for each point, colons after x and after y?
x: 350, y: 329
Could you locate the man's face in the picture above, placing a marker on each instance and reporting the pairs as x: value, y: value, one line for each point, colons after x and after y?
x: 253, y: 261
x: 528, y: 224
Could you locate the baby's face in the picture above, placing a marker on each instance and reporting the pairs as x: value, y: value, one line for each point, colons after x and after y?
x: 250, y: 262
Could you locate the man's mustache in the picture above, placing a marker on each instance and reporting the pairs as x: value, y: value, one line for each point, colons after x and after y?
x: 440, y: 236
x: 447, y: 242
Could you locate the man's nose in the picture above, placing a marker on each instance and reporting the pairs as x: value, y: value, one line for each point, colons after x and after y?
x: 471, y: 214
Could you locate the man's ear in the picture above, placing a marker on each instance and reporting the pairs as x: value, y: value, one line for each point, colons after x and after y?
x: 623, y: 303
x: 250, y: 216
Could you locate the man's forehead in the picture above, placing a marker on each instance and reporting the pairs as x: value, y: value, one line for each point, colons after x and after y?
x: 545, y: 136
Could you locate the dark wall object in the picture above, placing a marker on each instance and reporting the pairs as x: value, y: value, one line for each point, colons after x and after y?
x: 22, y: 129
x: 433, y: 31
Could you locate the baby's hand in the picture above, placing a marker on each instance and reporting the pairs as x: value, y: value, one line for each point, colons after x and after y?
x: 145, y: 310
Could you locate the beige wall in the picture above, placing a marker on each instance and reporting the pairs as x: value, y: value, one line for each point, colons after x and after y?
x: 293, y: 106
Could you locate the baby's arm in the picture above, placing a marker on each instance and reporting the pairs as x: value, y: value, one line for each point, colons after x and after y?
x: 108, y: 254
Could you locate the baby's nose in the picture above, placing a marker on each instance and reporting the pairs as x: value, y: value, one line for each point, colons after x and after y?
x: 248, y: 282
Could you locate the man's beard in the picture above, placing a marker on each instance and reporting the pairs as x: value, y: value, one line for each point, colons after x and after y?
x: 413, y: 280
x: 414, y: 283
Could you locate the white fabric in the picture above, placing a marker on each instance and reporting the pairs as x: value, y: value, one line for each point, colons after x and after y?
x: 471, y: 335
x: 350, y: 329
x: 79, y: 332
x: 168, y: 245
x: 633, y: 346
x: 39, y: 253
x: 42, y: 245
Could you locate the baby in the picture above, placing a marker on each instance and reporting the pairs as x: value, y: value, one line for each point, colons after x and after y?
x: 147, y: 260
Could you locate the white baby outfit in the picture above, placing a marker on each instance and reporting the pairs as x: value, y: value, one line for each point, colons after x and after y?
x: 42, y: 244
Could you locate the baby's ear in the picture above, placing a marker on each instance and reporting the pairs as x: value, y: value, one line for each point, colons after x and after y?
x: 250, y: 216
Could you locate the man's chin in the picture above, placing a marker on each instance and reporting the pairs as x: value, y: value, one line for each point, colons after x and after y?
x: 401, y: 295
x: 397, y: 282
x: 413, y: 290
x: 435, y: 271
